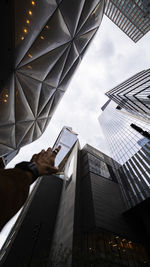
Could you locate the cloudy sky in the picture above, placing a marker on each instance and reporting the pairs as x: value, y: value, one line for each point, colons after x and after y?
x: 111, y: 58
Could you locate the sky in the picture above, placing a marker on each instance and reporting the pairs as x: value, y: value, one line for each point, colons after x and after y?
x: 111, y: 58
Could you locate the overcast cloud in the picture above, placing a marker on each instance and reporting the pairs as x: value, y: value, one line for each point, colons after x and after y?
x: 111, y: 58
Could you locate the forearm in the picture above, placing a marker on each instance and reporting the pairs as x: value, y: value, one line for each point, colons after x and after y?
x: 14, y: 190
x: 15, y: 183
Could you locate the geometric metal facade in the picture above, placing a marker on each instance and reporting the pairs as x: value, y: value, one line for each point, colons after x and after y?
x: 132, y: 17
x: 134, y: 94
x: 51, y: 37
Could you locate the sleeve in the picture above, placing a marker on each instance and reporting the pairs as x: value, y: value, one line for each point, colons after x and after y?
x: 14, y: 190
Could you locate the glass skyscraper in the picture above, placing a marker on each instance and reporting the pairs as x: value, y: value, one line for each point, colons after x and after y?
x: 131, y: 16
x: 134, y: 95
x: 122, y: 139
x: 129, y: 148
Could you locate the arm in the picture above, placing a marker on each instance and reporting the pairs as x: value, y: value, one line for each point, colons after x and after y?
x: 14, y: 190
x: 15, y: 184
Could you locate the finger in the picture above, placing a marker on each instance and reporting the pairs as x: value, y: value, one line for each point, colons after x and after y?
x: 56, y: 151
x: 59, y: 148
x: 42, y: 151
x: 52, y: 170
x: 34, y: 157
x: 49, y: 151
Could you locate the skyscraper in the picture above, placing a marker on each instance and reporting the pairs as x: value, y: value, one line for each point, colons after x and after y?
x: 133, y: 94
x: 102, y: 236
x: 126, y: 127
x: 132, y: 17
x: 130, y: 149
x: 43, y: 43
x: 122, y: 139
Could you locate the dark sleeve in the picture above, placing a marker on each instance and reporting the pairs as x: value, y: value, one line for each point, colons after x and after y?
x: 14, y: 190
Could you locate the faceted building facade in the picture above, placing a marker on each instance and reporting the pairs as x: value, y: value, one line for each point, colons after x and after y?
x: 134, y: 94
x: 44, y: 42
x: 132, y: 17
x: 76, y: 221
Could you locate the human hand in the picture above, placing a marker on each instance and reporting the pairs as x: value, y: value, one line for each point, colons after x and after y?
x: 45, y: 161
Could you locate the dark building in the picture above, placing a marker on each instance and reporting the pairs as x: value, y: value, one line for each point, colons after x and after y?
x: 43, y: 42
x: 133, y: 95
x: 104, y: 238
x: 132, y: 17
x: 29, y: 241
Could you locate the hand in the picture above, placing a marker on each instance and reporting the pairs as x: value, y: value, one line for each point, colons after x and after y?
x: 45, y: 161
